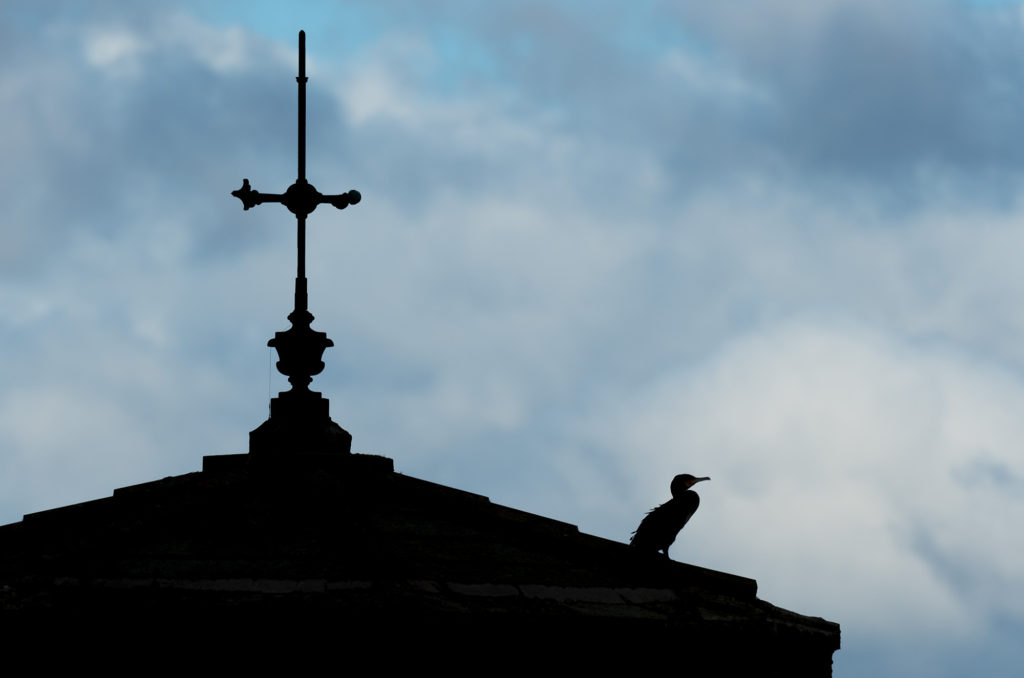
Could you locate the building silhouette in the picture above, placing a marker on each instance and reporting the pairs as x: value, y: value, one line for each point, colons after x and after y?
x: 301, y: 550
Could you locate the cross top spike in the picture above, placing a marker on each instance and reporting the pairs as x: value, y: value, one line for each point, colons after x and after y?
x: 299, y: 417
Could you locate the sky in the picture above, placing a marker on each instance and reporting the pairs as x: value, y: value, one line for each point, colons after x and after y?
x: 772, y: 242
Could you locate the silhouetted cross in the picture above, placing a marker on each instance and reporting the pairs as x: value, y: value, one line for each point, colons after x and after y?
x: 300, y: 198
x: 300, y: 348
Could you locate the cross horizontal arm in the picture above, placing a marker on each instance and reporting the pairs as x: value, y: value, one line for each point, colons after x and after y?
x: 251, y: 198
x: 342, y: 200
x: 300, y: 198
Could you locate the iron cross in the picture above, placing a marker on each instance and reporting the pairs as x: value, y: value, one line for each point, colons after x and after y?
x: 300, y: 198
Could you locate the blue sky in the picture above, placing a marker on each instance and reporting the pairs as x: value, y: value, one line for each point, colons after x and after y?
x: 776, y: 243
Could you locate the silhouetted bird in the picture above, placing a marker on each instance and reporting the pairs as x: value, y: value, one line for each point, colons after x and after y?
x: 660, y: 526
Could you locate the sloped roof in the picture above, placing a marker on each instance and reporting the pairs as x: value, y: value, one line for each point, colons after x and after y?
x: 343, y: 538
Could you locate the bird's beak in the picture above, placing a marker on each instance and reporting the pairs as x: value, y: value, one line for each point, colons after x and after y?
x: 697, y: 480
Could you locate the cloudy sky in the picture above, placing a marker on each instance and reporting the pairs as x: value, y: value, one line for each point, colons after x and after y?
x: 775, y: 242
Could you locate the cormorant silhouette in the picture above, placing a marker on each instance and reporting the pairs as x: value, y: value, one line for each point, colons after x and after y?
x: 660, y: 526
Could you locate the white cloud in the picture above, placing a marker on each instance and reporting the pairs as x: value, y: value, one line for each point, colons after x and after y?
x: 115, y: 47
x: 833, y: 450
x: 702, y: 78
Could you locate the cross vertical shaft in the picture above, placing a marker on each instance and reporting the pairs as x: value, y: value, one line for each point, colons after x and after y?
x: 301, y: 299
x: 302, y: 105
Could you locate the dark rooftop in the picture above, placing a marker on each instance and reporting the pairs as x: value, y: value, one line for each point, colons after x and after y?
x: 274, y: 543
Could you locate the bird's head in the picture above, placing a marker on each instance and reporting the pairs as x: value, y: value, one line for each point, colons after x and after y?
x: 683, y: 482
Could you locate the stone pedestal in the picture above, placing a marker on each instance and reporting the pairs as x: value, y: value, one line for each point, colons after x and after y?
x: 299, y: 423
